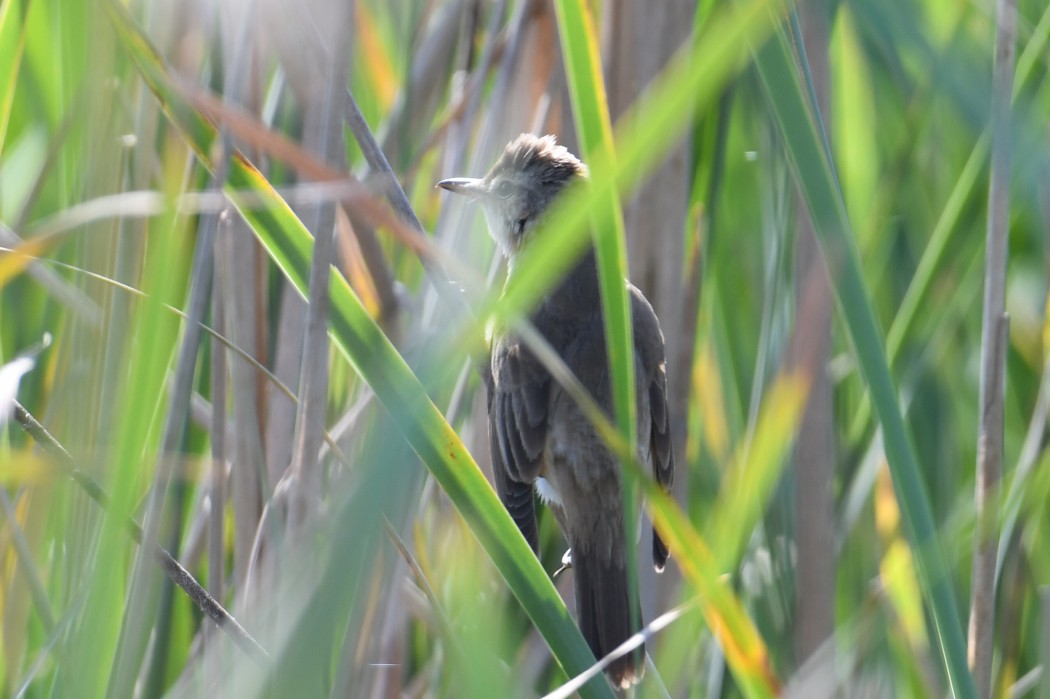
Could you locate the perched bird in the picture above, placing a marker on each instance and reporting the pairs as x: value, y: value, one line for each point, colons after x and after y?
x: 539, y: 438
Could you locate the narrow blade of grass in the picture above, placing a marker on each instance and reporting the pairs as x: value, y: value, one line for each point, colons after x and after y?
x: 579, y: 44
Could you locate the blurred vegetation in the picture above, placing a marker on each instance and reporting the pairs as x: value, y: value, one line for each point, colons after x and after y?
x: 804, y: 198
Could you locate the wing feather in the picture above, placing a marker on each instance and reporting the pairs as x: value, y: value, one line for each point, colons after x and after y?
x: 518, y: 395
x: 649, y: 348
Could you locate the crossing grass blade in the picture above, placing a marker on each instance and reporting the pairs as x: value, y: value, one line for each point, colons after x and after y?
x: 583, y: 67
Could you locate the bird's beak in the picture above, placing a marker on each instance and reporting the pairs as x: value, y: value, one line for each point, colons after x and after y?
x: 470, y: 186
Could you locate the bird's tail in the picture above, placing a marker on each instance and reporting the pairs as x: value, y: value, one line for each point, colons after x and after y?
x: 603, y: 606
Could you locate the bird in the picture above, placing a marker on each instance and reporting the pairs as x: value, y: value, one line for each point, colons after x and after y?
x: 541, y: 443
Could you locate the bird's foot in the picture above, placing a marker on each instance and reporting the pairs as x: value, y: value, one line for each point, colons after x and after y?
x: 566, y: 563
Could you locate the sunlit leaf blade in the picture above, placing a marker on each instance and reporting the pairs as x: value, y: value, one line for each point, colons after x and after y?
x: 14, y: 262
x: 744, y: 495
x: 897, y: 568
x: 12, y: 44
x: 744, y: 648
x: 805, y: 147
x: 377, y: 361
x: 375, y: 53
x: 755, y: 469
x: 854, y: 114
x: 583, y: 68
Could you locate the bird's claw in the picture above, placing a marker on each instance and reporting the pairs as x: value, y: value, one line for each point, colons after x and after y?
x: 566, y: 563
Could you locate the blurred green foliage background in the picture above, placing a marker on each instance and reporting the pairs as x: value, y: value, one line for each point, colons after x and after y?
x: 263, y: 348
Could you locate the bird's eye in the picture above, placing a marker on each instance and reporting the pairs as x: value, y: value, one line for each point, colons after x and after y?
x: 504, y: 189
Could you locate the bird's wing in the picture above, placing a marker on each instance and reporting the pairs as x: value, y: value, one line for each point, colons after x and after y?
x: 518, y: 401
x: 660, y: 439
x: 649, y: 351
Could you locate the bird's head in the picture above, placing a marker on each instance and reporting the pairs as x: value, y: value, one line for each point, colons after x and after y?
x: 520, y: 187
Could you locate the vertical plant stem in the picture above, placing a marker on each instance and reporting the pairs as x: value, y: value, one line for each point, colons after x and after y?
x: 993, y: 360
x: 216, y: 527
x: 814, y: 455
x: 217, y: 488
x: 247, y: 487
x: 644, y: 39
x: 249, y: 484
x: 313, y: 377
x: 146, y: 611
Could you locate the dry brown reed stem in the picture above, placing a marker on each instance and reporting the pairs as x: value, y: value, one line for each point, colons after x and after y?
x: 325, y: 133
x: 814, y: 454
x: 980, y: 645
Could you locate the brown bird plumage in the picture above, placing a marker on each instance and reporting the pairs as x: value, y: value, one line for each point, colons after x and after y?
x: 539, y: 438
